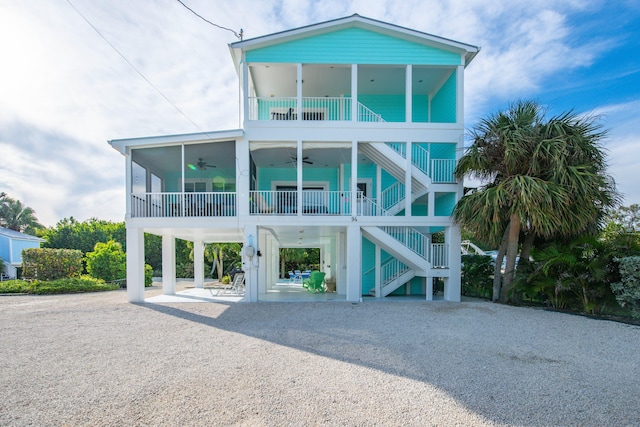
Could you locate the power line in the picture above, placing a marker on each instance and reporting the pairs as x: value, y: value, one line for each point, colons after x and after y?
x: 133, y: 66
x: 238, y: 35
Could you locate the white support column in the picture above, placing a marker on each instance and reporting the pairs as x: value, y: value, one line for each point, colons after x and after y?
x: 460, y: 93
x: 243, y: 177
x: 244, y: 95
x: 407, y: 180
x: 250, y: 263
x: 379, y: 185
x: 168, y: 264
x: 127, y: 185
x: 299, y: 178
x: 354, y: 263
x: 354, y: 92
x: 354, y: 178
x: 429, y: 287
x: 299, y: 82
x: 135, y: 264
x: 409, y: 94
x: 378, y: 272
x: 452, y: 284
x: 431, y: 203
x: 198, y: 264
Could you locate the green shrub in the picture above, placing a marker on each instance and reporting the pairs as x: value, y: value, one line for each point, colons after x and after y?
x: 627, y: 291
x: 477, y: 276
x: 148, y: 275
x: 184, y: 270
x: 226, y: 279
x: 51, y: 264
x: 58, y: 286
x: 13, y: 286
x: 107, y: 261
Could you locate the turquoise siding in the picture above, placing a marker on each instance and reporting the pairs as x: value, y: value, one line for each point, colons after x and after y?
x: 444, y: 203
x: 420, y: 105
x: 443, y: 104
x: 172, y: 180
x: 441, y: 150
x: 267, y: 175
x: 391, y: 107
x: 353, y: 46
x: 368, y: 263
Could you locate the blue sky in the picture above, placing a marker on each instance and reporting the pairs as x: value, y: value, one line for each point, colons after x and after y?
x: 64, y: 92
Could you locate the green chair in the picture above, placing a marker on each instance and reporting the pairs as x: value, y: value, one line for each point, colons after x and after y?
x: 315, y: 283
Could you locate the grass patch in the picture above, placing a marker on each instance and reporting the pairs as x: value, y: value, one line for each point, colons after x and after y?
x: 59, y: 286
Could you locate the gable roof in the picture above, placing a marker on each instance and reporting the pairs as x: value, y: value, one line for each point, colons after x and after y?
x: 353, y: 21
x: 16, y: 235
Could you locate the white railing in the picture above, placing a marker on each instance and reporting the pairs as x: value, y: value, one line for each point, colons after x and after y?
x: 439, y: 255
x: 391, y: 270
x: 442, y: 170
x: 398, y: 147
x: 392, y: 195
x: 369, y: 207
x: 411, y: 238
x: 168, y: 205
x: 420, y: 157
x: 313, y: 202
x: 365, y: 114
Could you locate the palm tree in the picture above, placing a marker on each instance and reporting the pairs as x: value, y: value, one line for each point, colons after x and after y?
x: 543, y: 179
x: 15, y: 216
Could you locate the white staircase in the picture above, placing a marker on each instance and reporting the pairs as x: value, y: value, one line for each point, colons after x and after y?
x: 404, y: 243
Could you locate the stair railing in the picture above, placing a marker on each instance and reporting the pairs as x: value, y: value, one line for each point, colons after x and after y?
x: 414, y: 240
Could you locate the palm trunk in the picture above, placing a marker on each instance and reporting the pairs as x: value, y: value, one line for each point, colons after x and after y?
x: 497, y: 268
x: 527, y: 245
x: 512, y: 253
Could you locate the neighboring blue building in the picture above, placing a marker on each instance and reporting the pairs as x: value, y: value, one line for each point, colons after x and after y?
x: 11, y: 245
x: 351, y: 131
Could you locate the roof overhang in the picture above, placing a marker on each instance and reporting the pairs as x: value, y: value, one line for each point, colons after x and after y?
x: 353, y: 21
x: 190, y: 138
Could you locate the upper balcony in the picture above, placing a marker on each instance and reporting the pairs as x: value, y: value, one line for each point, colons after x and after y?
x: 293, y: 93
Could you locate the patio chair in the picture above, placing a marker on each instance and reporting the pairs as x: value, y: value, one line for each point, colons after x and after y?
x: 315, y: 283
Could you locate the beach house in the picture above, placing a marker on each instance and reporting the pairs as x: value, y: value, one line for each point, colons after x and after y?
x: 351, y: 130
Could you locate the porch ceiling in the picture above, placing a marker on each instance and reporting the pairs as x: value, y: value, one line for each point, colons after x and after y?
x: 304, y: 236
x: 279, y: 80
x: 320, y: 157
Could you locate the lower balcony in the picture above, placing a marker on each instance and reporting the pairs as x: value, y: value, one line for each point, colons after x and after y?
x: 179, y: 205
x: 217, y: 204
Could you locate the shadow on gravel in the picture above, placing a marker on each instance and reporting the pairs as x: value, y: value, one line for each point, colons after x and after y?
x: 508, y: 365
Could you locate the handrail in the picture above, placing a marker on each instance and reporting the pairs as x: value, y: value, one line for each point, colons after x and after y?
x: 372, y: 269
x: 365, y: 114
x: 392, y: 195
x: 414, y: 240
x: 183, y: 204
x: 420, y: 157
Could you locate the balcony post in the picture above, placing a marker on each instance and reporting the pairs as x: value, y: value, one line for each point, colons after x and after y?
x: 299, y: 82
x: 354, y: 92
x: 460, y: 92
x: 354, y: 263
x: 407, y: 179
x: 354, y: 178
x: 408, y: 94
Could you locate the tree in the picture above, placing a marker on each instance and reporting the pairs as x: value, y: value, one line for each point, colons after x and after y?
x: 16, y: 216
x: 543, y: 179
x: 107, y: 262
x: 218, y: 253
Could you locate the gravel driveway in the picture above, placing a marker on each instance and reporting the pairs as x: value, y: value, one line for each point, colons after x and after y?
x: 96, y: 360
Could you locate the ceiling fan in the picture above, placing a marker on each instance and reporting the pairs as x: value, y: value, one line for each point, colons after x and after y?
x: 304, y: 160
x: 201, y: 164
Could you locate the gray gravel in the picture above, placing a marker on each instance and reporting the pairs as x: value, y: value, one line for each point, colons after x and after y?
x: 96, y: 360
